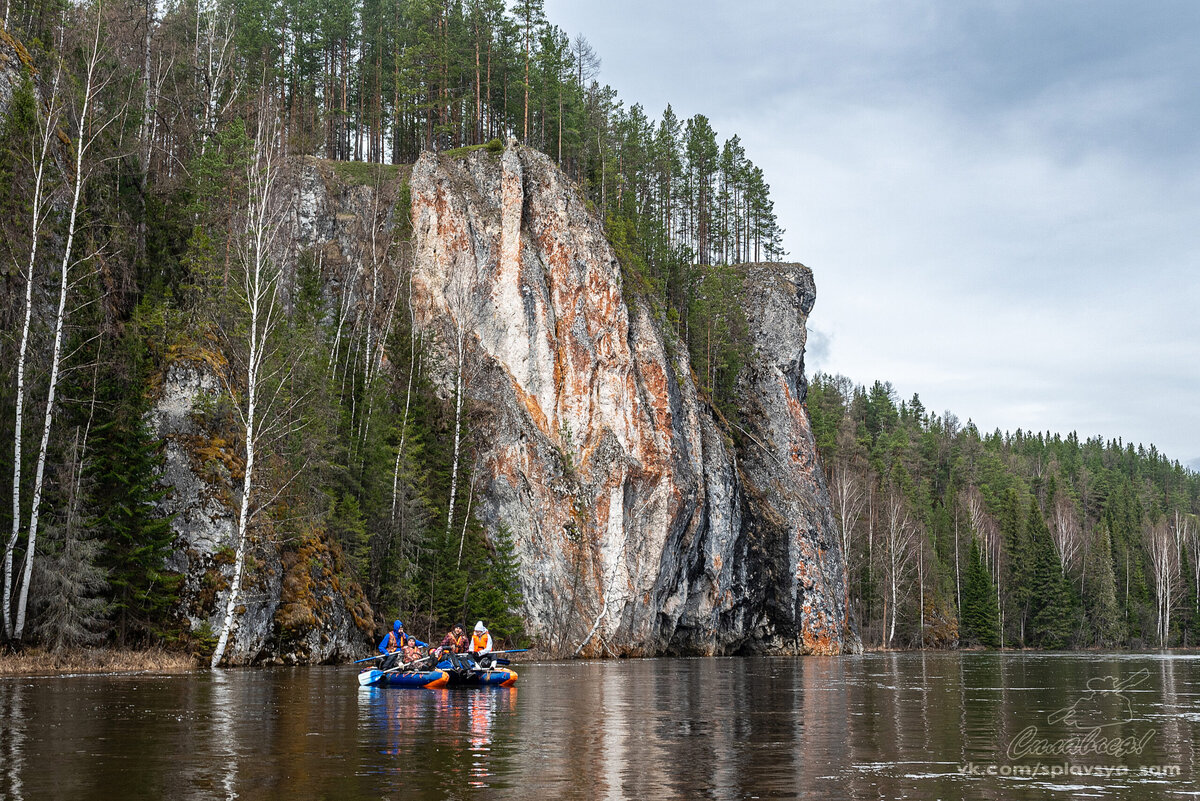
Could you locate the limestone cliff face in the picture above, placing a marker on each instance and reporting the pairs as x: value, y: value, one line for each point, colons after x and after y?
x: 297, y: 606
x: 643, y: 525
x: 292, y: 610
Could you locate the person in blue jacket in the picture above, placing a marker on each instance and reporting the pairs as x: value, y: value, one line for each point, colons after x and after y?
x: 395, y: 640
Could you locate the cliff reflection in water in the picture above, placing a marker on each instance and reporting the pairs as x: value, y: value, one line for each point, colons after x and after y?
x: 875, y: 726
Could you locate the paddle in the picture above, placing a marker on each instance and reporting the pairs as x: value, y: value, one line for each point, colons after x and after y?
x: 372, y: 676
x: 369, y: 659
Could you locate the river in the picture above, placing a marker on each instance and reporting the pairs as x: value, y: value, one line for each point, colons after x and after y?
x: 895, y: 725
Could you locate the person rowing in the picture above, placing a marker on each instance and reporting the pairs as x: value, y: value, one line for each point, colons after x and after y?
x: 393, y: 644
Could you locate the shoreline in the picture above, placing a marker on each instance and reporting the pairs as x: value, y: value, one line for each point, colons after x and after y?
x: 36, y: 663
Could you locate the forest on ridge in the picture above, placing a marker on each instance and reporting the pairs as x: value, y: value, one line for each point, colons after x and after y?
x: 146, y: 156
x: 1015, y: 539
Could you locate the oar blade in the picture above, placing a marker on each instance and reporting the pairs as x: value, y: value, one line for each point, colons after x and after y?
x: 369, y: 677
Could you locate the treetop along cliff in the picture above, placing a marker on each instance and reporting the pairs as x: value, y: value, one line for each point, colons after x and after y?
x: 228, y: 431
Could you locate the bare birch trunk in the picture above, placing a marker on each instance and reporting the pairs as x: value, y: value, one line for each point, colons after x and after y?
x: 412, y: 365
x: 458, y: 403
x: 46, y: 133
x: 83, y: 142
x: 261, y: 288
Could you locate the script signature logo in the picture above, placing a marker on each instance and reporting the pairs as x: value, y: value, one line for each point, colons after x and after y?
x: 1094, y: 718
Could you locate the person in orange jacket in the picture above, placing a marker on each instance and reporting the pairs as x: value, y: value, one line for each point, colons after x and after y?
x: 481, y: 640
x: 455, y: 641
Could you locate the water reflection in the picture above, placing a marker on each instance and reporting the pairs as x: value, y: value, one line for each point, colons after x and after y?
x: 12, y: 738
x: 450, y: 734
x: 223, y: 717
x: 879, y: 725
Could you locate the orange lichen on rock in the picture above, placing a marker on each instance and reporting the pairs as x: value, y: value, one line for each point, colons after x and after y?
x: 18, y: 48
x: 205, y: 449
x: 634, y: 506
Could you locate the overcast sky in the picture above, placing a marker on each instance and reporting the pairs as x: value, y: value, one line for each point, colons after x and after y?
x: 1000, y: 200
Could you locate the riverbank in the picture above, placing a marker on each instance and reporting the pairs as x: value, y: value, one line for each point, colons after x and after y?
x: 36, y: 662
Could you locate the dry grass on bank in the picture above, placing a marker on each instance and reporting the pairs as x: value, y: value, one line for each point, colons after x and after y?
x: 103, y: 660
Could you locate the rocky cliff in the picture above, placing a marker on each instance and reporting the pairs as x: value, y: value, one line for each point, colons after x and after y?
x: 298, y: 603
x: 643, y: 524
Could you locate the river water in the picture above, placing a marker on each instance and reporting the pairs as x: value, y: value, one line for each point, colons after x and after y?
x: 905, y: 725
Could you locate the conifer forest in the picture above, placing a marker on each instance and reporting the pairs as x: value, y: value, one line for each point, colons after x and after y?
x: 140, y: 151
x: 1015, y: 539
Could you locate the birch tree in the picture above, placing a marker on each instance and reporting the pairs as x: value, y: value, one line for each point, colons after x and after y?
x: 987, y: 530
x: 901, y: 540
x: 1164, y: 569
x: 45, y: 126
x: 1066, y: 532
x: 848, y: 502
x: 212, y: 59
x: 460, y: 301
x: 88, y: 131
x: 258, y: 294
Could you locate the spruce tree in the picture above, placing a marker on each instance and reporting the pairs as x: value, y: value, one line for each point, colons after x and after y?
x: 1052, y: 611
x: 70, y: 581
x: 123, y: 477
x: 1104, y: 613
x: 980, y: 617
x: 1017, y: 580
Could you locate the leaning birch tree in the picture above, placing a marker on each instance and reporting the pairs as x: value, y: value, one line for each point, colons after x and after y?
x: 88, y: 131
x: 45, y: 124
x: 258, y: 295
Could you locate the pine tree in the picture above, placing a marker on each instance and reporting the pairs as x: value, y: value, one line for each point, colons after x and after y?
x: 980, y: 618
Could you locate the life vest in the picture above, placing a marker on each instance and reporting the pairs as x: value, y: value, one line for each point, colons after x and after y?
x: 479, y: 641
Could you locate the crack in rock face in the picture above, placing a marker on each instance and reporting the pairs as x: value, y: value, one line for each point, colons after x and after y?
x: 643, y: 525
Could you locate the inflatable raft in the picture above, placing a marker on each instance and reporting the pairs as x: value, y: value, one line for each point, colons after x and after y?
x: 373, y: 677
x: 455, y: 671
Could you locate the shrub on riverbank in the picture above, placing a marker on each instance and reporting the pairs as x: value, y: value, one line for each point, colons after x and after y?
x: 41, y: 663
